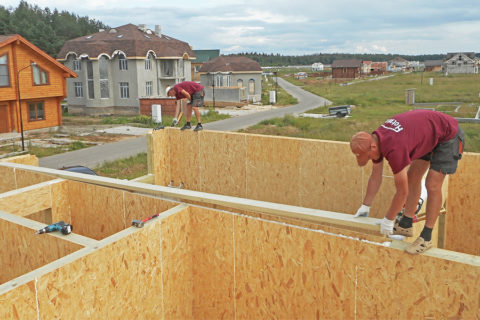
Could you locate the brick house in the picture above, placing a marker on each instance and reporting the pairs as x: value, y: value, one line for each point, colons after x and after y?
x: 346, y: 69
x: 378, y: 67
x: 119, y: 66
x: 232, y: 79
x: 433, y: 65
x: 31, y: 76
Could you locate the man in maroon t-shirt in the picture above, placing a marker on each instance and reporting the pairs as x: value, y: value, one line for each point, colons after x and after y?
x: 194, y: 94
x: 425, y: 140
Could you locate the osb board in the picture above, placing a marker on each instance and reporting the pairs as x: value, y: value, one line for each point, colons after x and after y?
x: 27, y: 178
x: 24, y: 251
x: 96, y: 212
x: 119, y: 281
x: 463, y: 206
x: 177, y: 276
x: 161, y: 157
x: 393, y: 284
x: 213, y: 264
x: 23, y: 159
x: 385, y: 194
x: 140, y: 206
x: 19, y: 303
x: 60, y: 205
x: 272, y: 169
x: 222, y: 166
x: 7, y: 182
x: 287, y: 273
x: 329, y: 177
x: 184, y: 147
x: 27, y: 202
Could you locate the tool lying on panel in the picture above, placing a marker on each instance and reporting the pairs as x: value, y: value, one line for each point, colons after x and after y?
x: 140, y: 223
x: 61, y: 226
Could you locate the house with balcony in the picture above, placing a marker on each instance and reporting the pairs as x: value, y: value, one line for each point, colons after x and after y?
x: 32, y: 86
x: 232, y: 79
x: 119, y: 66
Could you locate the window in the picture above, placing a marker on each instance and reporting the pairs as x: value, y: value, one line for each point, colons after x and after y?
x: 78, y: 89
x: 148, y: 88
x: 167, y: 68
x: 124, y: 92
x: 240, y: 83
x: 91, y: 92
x: 40, y: 76
x: 4, y: 78
x: 251, y: 86
x: 77, y: 65
x: 148, y: 62
x: 103, y: 70
x: 35, y: 111
x: 218, y: 80
x: 122, y: 62
x: 228, y: 80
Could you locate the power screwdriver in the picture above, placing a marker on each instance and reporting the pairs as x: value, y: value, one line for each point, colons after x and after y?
x: 65, y: 228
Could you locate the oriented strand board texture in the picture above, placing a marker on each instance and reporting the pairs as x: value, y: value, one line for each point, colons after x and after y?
x: 7, y: 182
x: 184, y: 148
x: 463, y: 206
x: 96, y: 212
x: 23, y: 250
x: 60, y: 205
x: 119, y: 281
x: 28, y: 202
x: 213, y: 264
x: 177, y: 276
x: 29, y: 159
x: 225, y: 151
x: 27, y: 178
x: 19, y: 303
x: 309, y: 173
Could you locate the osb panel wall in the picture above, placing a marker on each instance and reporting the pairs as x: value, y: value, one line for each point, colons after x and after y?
x: 309, y: 173
x: 19, y: 303
x: 27, y: 202
x: 7, y: 182
x: 24, y: 251
x: 23, y: 159
x: 12, y: 179
x: 119, y: 281
x: 98, y: 212
x: 463, y: 206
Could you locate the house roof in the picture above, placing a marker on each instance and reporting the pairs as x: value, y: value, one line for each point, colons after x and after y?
x: 230, y: 64
x: 433, y: 63
x: 450, y: 55
x: 129, y: 39
x: 206, y: 55
x: 348, y: 63
x: 10, y: 38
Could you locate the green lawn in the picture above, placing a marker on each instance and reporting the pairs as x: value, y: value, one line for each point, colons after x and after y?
x: 376, y: 101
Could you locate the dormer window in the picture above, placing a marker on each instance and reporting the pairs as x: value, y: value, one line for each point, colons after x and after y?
x: 77, y: 66
x: 4, y: 78
x: 40, y: 76
x: 89, y: 37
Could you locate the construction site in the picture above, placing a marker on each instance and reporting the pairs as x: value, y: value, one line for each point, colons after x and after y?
x: 243, y: 226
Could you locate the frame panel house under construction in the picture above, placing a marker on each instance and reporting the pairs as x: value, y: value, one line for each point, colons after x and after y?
x: 264, y: 230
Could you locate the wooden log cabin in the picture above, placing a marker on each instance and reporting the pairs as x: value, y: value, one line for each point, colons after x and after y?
x: 29, y: 77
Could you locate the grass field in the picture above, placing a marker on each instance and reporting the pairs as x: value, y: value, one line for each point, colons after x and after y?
x: 377, y: 100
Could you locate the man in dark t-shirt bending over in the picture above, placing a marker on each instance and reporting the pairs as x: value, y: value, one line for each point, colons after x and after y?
x: 425, y: 140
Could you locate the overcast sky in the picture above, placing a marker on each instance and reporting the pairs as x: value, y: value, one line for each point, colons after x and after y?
x: 296, y: 27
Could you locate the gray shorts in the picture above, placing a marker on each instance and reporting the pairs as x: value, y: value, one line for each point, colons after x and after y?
x: 444, y: 158
x: 197, y: 99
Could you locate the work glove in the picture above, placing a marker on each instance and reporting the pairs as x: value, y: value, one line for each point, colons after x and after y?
x: 363, y: 211
x: 386, y: 226
x: 174, y: 122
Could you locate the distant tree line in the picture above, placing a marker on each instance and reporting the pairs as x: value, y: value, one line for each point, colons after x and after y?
x: 275, y: 60
x: 47, y: 29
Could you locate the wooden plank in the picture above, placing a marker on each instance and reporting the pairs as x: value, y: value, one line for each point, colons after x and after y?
x: 28, y: 200
x: 307, y: 214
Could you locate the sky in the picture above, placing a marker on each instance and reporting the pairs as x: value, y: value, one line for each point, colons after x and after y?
x: 298, y: 27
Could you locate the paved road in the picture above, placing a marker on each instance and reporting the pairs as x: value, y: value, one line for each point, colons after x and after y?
x: 95, y: 156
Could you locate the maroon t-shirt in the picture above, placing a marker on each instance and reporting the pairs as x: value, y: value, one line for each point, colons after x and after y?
x: 190, y: 86
x: 411, y: 135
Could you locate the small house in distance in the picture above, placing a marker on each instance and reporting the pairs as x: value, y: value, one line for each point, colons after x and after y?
x: 433, y: 65
x: 346, y: 69
x: 232, y: 79
x: 32, y: 86
x: 318, y: 66
x: 462, y: 62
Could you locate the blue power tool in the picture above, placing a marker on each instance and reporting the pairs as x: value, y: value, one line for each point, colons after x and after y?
x: 61, y: 226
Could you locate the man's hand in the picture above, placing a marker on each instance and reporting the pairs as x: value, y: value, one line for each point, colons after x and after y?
x: 363, y: 211
x: 386, y: 226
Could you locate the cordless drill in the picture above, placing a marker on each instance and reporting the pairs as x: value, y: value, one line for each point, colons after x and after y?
x: 65, y: 228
